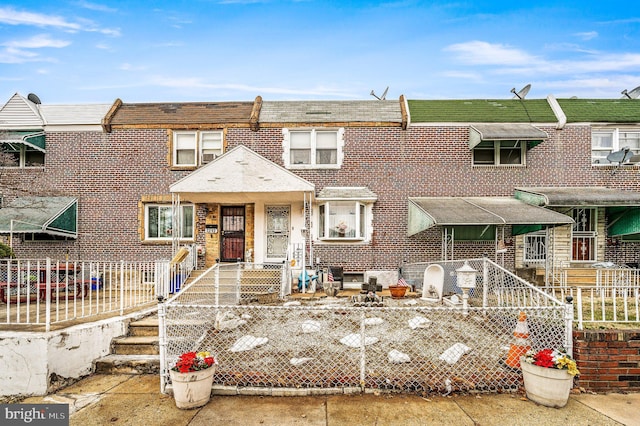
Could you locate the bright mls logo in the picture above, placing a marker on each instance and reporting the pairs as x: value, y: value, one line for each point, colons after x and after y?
x: 34, y: 414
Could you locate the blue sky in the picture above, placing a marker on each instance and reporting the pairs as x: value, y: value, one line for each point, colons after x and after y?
x: 69, y: 51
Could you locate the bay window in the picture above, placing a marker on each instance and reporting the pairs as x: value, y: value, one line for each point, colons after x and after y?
x: 342, y: 220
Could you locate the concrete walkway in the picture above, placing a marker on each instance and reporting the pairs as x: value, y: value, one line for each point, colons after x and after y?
x: 136, y: 400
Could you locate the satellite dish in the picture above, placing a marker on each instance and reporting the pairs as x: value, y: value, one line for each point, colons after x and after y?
x: 381, y: 98
x: 620, y: 156
x: 522, y: 93
x: 632, y: 94
x: 33, y: 98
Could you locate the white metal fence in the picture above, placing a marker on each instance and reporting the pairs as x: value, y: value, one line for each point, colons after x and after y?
x: 46, y: 292
x: 327, y: 345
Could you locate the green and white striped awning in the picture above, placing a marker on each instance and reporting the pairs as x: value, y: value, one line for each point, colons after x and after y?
x: 34, y: 140
x: 49, y: 215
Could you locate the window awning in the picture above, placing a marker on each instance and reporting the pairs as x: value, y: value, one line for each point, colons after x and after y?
x: 358, y: 193
x: 623, y: 221
x: 427, y: 212
x: 34, y: 140
x: 50, y: 215
x: 505, y: 131
x: 591, y: 196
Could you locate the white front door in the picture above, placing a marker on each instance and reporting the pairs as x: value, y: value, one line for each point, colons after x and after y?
x: 278, y: 225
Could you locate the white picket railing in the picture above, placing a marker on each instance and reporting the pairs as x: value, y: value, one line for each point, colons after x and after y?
x: 46, y: 292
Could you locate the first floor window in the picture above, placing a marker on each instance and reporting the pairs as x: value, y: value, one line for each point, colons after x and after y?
x: 159, y: 221
x: 535, y: 246
x: 584, y: 234
x: 342, y: 220
x: 499, y: 153
x: 20, y: 155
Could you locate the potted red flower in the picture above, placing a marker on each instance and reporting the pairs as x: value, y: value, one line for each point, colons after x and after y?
x: 548, y: 376
x: 192, y: 378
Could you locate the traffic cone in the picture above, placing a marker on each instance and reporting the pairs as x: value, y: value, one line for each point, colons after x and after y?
x: 520, y: 344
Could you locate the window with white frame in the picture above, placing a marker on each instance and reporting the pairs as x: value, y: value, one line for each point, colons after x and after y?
x: 191, y: 149
x: 499, y: 153
x: 159, y: 221
x: 606, y: 141
x: 19, y: 155
x: 313, y: 148
x: 535, y: 246
x: 342, y: 220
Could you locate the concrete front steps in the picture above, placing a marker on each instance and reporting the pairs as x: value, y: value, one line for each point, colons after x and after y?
x: 136, y: 353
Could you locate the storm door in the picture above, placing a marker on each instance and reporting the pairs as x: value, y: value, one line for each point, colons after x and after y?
x: 232, y: 239
x: 277, y: 232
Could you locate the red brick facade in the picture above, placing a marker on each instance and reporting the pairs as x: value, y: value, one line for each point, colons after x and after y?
x: 608, y: 360
x: 110, y: 173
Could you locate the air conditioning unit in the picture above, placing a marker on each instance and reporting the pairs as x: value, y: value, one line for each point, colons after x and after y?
x: 206, y: 158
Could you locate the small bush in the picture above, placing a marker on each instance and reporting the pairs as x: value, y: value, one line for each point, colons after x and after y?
x: 6, y: 252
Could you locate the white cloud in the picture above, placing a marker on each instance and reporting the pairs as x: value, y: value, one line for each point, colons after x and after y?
x: 11, y: 16
x: 587, y: 35
x: 95, y: 6
x: 36, y: 42
x: 483, y: 53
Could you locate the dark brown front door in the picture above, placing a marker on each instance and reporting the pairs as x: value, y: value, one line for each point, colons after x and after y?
x: 232, y: 234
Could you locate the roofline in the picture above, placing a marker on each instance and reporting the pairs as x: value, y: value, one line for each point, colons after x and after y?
x: 106, y: 121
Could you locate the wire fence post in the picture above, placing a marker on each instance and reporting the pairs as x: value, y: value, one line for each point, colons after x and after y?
x: 568, y: 318
x: 162, y: 342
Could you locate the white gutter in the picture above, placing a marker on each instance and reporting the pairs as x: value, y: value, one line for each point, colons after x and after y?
x: 557, y: 110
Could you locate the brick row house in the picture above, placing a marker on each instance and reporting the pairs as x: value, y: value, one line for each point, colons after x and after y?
x: 362, y: 185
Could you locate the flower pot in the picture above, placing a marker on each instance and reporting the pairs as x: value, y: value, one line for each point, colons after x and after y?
x: 191, y: 390
x: 546, y: 386
x: 397, y: 292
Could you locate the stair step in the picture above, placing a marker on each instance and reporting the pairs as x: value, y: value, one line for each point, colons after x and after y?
x: 128, y: 364
x: 136, y: 345
x: 144, y: 327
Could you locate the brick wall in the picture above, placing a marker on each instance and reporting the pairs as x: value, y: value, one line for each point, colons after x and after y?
x: 608, y: 360
x: 111, y: 172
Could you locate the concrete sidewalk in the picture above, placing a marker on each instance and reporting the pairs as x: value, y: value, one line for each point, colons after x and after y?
x: 136, y: 400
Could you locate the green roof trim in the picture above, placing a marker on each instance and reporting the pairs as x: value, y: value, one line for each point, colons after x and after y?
x: 50, y: 215
x: 481, y: 111
x: 601, y: 110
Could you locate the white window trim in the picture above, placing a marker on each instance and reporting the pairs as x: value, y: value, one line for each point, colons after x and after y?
x: 496, y: 154
x: 198, y: 145
x: 368, y: 223
x: 615, y: 143
x: 201, y: 145
x: 169, y: 238
x: 286, y: 144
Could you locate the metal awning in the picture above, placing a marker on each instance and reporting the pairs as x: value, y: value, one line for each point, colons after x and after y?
x: 34, y: 140
x: 592, y: 196
x: 426, y: 212
x: 505, y: 131
x: 358, y: 193
x: 50, y: 215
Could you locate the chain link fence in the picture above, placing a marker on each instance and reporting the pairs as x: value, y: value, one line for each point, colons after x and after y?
x: 327, y: 345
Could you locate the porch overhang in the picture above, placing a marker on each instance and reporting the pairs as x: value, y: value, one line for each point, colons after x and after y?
x: 582, y: 196
x: 622, y: 207
x: 427, y: 212
x: 34, y: 140
x: 241, y: 175
x: 505, y: 131
x: 50, y: 215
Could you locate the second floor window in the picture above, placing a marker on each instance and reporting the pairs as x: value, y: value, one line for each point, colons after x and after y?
x: 191, y: 149
x: 18, y: 155
x: 313, y: 148
x: 604, y: 142
x: 499, y: 153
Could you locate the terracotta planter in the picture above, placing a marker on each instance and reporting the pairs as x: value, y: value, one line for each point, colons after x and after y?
x: 397, y: 292
x: 546, y: 386
x: 191, y: 390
